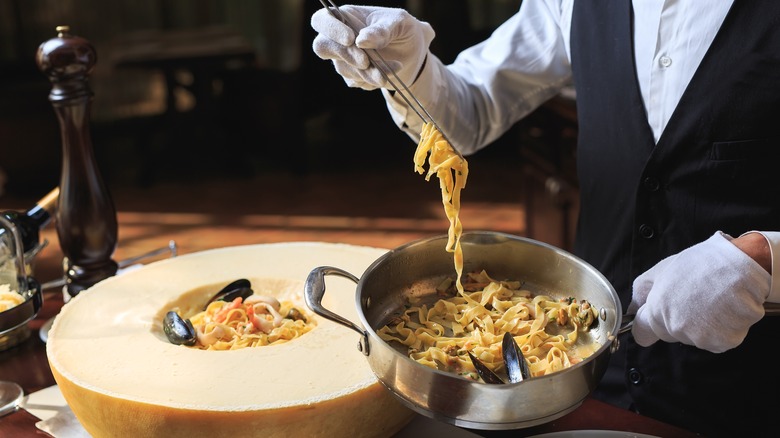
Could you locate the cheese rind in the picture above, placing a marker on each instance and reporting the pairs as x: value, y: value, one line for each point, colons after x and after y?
x: 369, y: 412
x: 117, y: 370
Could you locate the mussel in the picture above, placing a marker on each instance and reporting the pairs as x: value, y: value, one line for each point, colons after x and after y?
x: 180, y: 331
x: 484, y: 372
x: 296, y: 315
x: 239, y: 288
x: 516, y: 366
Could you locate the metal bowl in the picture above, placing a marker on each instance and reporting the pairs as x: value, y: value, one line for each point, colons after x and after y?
x: 416, y: 268
x: 14, y: 272
x: 13, y: 322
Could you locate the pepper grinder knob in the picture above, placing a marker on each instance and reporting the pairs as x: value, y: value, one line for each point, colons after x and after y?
x: 85, y: 218
x: 67, y: 61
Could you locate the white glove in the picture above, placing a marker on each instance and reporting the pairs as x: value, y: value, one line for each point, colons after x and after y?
x: 401, y: 39
x: 707, y: 296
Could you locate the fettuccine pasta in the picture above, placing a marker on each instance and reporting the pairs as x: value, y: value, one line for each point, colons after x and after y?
x: 452, y: 172
x: 440, y: 334
x: 254, y: 322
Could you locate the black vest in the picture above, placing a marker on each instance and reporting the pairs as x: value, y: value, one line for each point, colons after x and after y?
x: 715, y: 167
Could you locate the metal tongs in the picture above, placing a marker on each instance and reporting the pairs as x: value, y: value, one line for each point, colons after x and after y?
x: 398, y: 85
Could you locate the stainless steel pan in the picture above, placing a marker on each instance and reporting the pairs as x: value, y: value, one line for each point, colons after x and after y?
x: 416, y: 268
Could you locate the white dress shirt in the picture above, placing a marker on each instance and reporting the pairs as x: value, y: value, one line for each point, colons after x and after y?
x: 527, y: 60
x: 670, y: 39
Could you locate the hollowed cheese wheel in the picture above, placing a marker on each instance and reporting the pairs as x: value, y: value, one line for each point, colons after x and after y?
x: 121, y: 376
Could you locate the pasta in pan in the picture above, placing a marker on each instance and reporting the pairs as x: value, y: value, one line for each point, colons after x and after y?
x: 475, y: 316
x: 452, y: 172
x: 440, y: 334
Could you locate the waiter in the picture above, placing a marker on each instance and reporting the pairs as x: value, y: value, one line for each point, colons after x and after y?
x: 679, y: 109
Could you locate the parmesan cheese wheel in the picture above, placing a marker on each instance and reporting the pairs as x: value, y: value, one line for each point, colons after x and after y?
x: 121, y: 376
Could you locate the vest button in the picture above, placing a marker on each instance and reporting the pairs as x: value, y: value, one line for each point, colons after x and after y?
x: 652, y: 184
x: 646, y: 231
x: 635, y: 376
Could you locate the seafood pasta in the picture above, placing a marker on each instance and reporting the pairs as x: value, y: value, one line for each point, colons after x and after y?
x: 475, y: 316
x: 257, y: 321
x: 440, y: 334
x: 452, y: 171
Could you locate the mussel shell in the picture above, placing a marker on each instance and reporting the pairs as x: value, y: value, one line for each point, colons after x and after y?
x: 484, y: 372
x: 296, y: 315
x: 178, y: 330
x: 239, y: 288
x: 516, y: 366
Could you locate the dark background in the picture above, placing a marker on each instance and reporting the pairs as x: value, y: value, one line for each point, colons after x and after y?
x: 240, y: 95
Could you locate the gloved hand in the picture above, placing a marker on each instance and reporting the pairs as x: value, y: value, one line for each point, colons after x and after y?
x: 707, y: 296
x: 401, y: 39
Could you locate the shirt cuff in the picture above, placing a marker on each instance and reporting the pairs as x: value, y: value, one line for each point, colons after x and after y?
x: 773, y: 238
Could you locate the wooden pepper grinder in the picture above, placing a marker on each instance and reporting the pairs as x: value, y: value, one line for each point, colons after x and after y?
x: 86, y: 218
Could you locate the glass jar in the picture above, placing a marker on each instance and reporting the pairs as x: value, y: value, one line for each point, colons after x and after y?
x: 20, y: 294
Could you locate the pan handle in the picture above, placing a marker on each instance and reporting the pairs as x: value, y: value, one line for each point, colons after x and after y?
x: 627, y: 322
x: 770, y: 309
x: 314, y: 290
